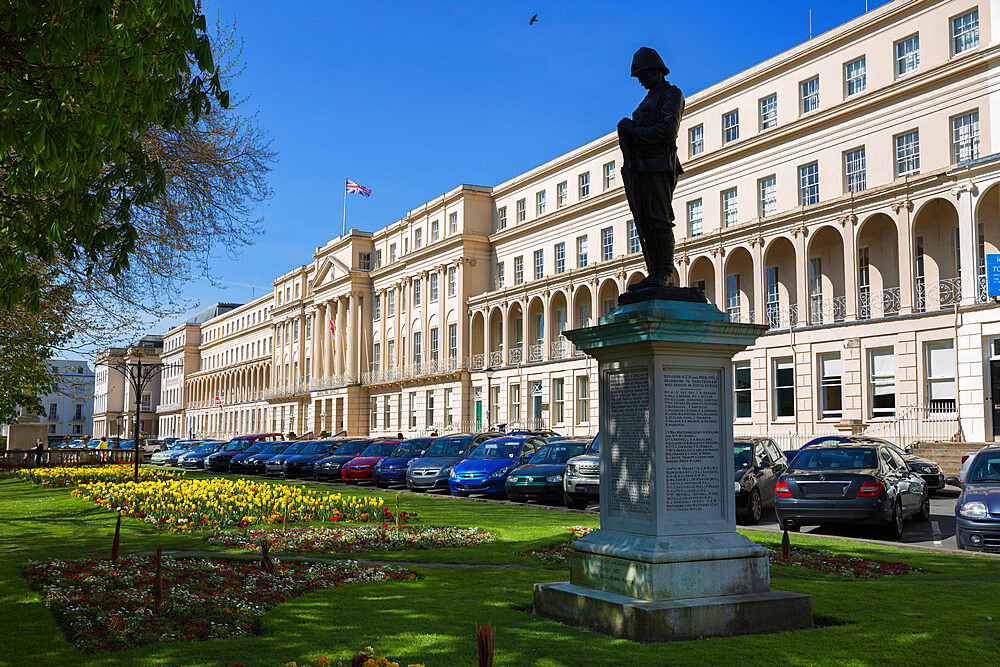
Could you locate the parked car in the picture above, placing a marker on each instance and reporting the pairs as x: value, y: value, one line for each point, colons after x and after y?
x: 161, y: 458
x: 864, y: 483
x: 171, y: 457
x: 759, y: 463
x: 236, y: 462
x: 276, y: 464
x: 392, y: 469
x: 256, y: 464
x: 544, y: 432
x: 430, y: 471
x: 486, y: 467
x: 302, y: 463
x: 929, y: 470
x: 541, y: 478
x: 329, y: 468
x: 582, y: 480
x: 362, y: 467
x: 966, y: 462
x: 977, y: 512
x: 222, y: 461
x: 195, y: 459
x: 219, y: 461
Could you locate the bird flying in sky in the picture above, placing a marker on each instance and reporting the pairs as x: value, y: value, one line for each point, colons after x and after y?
x: 534, y: 19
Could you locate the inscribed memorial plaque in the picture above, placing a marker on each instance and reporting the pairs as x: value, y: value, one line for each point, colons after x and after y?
x: 693, y: 449
x: 631, y: 470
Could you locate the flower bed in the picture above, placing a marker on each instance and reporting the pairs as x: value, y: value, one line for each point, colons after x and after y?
x: 104, y: 607
x: 353, y: 539
x: 185, y: 504
x: 821, y: 560
x: 59, y: 476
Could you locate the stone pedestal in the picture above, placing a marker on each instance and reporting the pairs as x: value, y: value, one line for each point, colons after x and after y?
x: 667, y: 562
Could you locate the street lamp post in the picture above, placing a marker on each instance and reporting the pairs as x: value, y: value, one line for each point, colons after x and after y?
x: 489, y: 397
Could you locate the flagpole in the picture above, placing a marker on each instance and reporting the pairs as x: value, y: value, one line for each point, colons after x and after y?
x: 344, y: 232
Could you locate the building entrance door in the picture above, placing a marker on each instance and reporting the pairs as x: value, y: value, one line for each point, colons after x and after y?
x: 340, y: 415
x: 995, y: 396
x: 536, y: 404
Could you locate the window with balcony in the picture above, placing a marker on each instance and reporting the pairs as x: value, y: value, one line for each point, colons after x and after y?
x: 768, y: 194
x: 907, y: 55
x: 584, y: 185
x: 830, y: 388
x: 562, y: 194
x: 694, y: 218
x: 376, y: 357
x: 882, y: 382
x: 633, y: 238
x: 742, y: 390
x: 769, y: 112
x: 521, y: 210
x: 855, y: 175
x: 560, y: 257
x: 809, y: 96
x: 965, y: 32
x: 907, y: 153
x: 540, y: 203
x: 434, y: 345
x: 607, y: 243
x: 772, y: 297
x: 784, y: 387
x: 855, y: 77
x: 696, y: 140
x: 453, y: 341
x: 417, y: 347
x: 731, y: 126
x: 518, y: 270
x: 809, y: 184
x: 733, y: 296
x: 965, y: 137
x: 581, y: 251
x: 730, y: 208
x: 609, y: 175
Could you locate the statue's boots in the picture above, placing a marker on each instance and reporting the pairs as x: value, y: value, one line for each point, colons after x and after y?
x: 661, y: 273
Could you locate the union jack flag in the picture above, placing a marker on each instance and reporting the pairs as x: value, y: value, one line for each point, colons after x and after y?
x: 356, y: 189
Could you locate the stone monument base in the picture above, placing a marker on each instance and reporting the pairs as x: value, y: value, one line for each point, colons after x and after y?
x: 662, y: 292
x: 25, y: 435
x: 670, y: 620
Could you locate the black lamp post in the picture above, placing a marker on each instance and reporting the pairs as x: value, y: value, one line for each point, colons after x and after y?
x: 138, y: 375
x: 489, y: 397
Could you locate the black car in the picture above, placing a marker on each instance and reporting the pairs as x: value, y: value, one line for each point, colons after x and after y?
x: 302, y: 463
x: 977, y: 512
x: 276, y: 464
x: 850, y: 483
x: 392, y: 469
x: 541, y: 478
x: 257, y: 464
x: 195, y: 458
x: 759, y: 463
x: 328, y: 468
x: 929, y: 470
x: 219, y: 461
x: 235, y: 464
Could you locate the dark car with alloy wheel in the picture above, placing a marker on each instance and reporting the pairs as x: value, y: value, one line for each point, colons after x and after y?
x: 851, y: 483
x: 541, y: 478
x: 239, y: 448
x: 257, y: 464
x: 929, y: 470
x: 759, y: 463
x: 302, y: 463
x: 977, y: 512
x: 195, y: 458
x: 275, y: 465
x: 329, y: 467
x: 392, y: 469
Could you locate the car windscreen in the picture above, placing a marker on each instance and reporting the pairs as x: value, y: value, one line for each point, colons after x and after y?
x: 352, y: 448
x: 595, y: 447
x: 742, y: 453
x: 985, y: 468
x: 379, y: 449
x: 558, y: 453
x: 272, y: 450
x: 493, y: 449
x: 836, y: 458
x: 411, y: 447
x: 178, y: 446
x: 254, y: 449
x: 315, y: 448
x: 448, y: 447
x: 294, y: 448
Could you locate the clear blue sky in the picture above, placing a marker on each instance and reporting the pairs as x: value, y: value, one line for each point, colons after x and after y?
x: 413, y: 98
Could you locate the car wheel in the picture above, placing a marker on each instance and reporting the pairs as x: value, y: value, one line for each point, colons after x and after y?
x: 925, y: 511
x: 755, y: 508
x: 574, y: 503
x: 894, y: 529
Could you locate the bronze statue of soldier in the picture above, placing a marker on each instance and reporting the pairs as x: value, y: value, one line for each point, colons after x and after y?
x: 650, y: 170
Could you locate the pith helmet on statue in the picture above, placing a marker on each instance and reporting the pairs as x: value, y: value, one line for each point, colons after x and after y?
x: 647, y: 58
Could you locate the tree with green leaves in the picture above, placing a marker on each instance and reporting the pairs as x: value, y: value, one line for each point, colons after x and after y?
x: 81, y: 82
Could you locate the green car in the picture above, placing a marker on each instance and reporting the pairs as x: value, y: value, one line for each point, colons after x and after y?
x: 541, y: 478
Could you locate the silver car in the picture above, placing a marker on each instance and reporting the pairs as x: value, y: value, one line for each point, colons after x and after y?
x: 430, y: 471
x: 582, y: 479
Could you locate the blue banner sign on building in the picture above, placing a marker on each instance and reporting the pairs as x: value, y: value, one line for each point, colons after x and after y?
x: 993, y: 275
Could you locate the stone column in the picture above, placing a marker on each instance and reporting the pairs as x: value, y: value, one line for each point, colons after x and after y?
x: 353, y: 341
x: 801, y: 274
x: 338, y: 345
x: 328, y: 315
x: 848, y: 224
x: 966, y: 195
x: 719, y: 264
x: 759, y: 307
x: 902, y: 209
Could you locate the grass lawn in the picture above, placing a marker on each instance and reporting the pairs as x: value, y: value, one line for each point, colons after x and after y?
x: 938, y: 617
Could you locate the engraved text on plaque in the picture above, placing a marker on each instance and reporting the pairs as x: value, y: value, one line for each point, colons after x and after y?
x: 631, y: 469
x: 693, y: 456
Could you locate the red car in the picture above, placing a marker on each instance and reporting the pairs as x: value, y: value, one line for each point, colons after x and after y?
x: 362, y: 467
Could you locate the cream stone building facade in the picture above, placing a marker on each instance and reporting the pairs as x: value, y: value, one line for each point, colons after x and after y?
x: 114, y: 397
x: 845, y: 193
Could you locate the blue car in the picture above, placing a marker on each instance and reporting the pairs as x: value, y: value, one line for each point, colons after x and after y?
x: 977, y: 512
x: 486, y: 468
x: 392, y: 469
x: 195, y: 458
x: 302, y: 463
